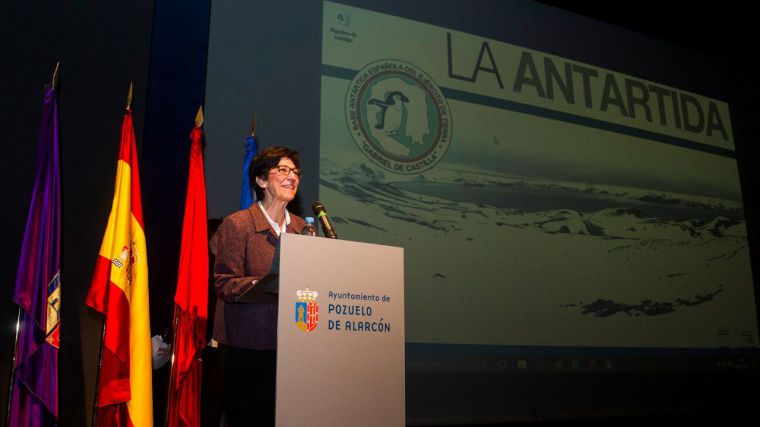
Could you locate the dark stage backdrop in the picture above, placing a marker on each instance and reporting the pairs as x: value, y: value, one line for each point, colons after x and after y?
x: 102, y: 46
x: 269, y: 57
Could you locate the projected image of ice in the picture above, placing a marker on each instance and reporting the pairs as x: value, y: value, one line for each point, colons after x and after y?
x: 540, y: 252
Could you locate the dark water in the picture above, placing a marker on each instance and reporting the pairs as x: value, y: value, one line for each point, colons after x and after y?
x: 537, y: 200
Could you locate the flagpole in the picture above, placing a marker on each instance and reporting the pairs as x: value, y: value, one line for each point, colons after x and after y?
x: 103, y: 333
x: 13, y: 370
x: 129, y: 97
x: 54, y: 80
x: 171, y: 367
x: 97, y: 376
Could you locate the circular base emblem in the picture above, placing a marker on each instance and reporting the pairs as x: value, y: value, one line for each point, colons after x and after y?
x: 398, y: 116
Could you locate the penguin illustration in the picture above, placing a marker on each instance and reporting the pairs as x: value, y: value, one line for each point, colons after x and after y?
x: 392, y: 111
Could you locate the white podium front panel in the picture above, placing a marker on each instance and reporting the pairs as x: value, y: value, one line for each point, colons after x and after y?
x: 340, y: 359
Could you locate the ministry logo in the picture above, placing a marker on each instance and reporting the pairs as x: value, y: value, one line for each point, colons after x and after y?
x: 398, y: 116
x: 307, y: 310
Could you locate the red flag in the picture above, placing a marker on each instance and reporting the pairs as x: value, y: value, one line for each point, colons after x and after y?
x: 119, y: 290
x: 191, y: 299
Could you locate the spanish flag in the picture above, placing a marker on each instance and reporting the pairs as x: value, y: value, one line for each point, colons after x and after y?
x: 119, y: 290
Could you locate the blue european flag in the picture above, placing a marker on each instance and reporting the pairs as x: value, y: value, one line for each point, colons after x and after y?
x: 247, y: 195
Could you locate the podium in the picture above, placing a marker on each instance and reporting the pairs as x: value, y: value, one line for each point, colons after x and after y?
x: 340, y: 350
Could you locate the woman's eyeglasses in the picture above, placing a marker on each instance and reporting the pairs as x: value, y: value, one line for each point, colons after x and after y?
x: 286, y: 170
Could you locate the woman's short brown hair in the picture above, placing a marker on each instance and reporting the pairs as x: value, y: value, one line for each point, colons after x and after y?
x: 266, y: 160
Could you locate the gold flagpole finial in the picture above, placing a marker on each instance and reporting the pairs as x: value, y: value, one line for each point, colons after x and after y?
x: 129, y: 97
x: 55, y: 75
x: 199, y: 117
x: 253, y: 125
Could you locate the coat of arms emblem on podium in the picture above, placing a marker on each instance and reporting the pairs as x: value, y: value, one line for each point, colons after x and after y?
x: 307, y: 310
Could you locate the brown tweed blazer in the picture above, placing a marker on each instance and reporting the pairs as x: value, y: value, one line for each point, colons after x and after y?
x: 245, y: 249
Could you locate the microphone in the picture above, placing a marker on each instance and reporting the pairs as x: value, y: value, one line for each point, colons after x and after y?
x: 321, y: 213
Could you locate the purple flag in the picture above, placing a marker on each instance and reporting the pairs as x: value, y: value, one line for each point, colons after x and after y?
x: 34, y: 400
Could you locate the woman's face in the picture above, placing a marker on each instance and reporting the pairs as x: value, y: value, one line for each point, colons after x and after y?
x: 279, y: 187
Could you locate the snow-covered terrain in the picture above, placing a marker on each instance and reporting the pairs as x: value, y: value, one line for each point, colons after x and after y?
x: 524, y: 261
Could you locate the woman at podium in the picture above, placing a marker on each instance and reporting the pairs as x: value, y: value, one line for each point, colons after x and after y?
x: 246, y: 246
